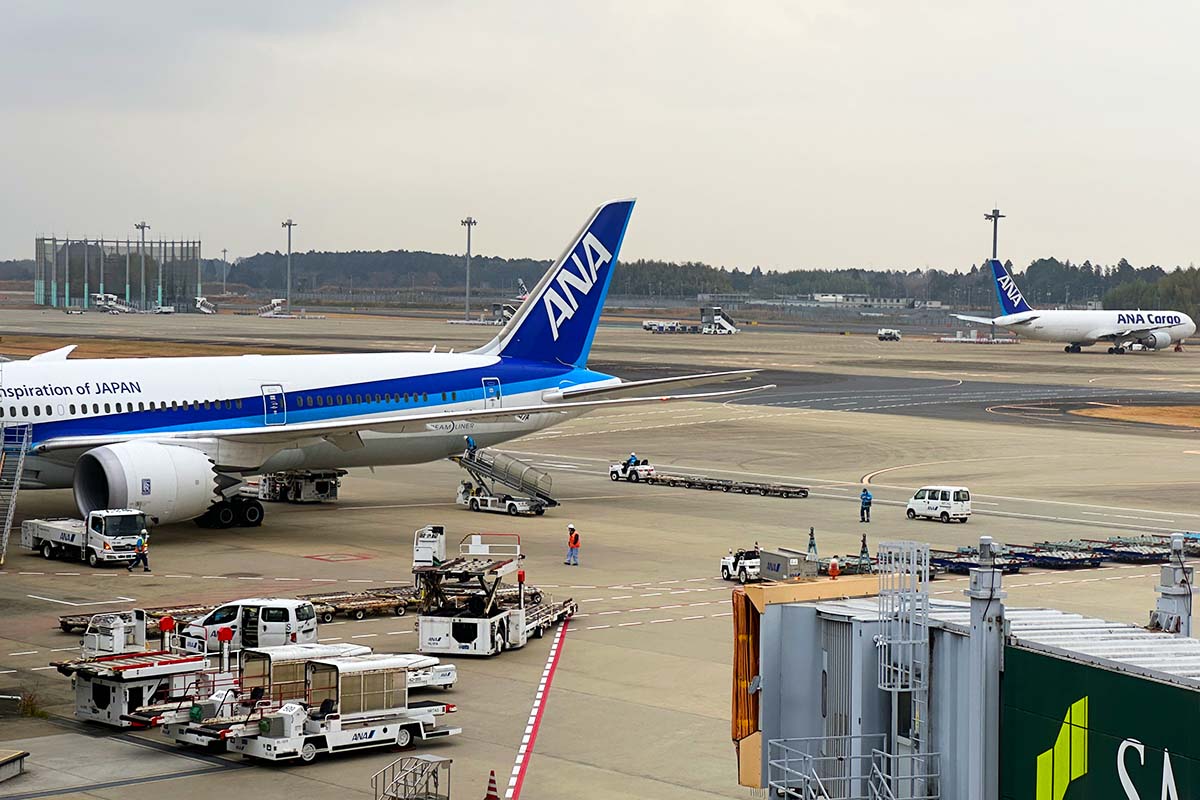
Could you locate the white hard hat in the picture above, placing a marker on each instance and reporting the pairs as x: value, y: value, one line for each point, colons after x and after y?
x: 571, y: 527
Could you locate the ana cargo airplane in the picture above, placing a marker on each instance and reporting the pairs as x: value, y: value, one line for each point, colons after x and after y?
x: 175, y: 437
x: 1153, y: 330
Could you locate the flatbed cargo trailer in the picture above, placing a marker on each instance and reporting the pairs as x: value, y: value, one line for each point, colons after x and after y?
x: 711, y: 484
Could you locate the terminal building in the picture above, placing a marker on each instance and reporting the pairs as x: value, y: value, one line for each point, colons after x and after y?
x: 70, y: 273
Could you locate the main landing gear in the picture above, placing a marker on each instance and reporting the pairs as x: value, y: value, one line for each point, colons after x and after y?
x: 1116, y: 351
x: 1073, y: 348
x: 243, y: 512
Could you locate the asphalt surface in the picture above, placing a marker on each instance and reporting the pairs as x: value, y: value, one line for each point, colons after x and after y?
x: 639, y: 705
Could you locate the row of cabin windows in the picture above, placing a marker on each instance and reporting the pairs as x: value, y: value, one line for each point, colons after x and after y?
x: 304, y: 401
x: 119, y: 408
x: 309, y: 401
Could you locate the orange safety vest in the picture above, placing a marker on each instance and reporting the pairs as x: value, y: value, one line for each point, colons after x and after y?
x: 573, y: 539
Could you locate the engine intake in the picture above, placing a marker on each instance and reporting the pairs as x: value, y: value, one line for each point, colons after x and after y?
x: 168, y: 482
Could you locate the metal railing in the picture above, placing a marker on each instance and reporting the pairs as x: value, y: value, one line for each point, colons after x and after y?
x: 849, y: 768
x: 421, y: 777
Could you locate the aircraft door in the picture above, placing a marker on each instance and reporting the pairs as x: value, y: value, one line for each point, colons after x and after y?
x: 274, y: 404
x: 491, y: 393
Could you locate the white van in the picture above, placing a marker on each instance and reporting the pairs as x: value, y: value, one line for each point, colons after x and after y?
x: 255, y: 622
x: 941, y: 502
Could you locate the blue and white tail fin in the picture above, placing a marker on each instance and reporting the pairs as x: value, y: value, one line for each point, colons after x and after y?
x: 1011, y: 299
x: 557, y: 322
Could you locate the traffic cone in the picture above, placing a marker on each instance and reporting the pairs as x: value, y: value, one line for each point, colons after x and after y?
x: 492, y: 793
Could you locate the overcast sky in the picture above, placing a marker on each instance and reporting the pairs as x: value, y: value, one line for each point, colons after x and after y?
x: 784, y: 134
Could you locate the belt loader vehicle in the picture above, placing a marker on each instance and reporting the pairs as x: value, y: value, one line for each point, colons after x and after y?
x: 104, y: 537
x: 354, y: 703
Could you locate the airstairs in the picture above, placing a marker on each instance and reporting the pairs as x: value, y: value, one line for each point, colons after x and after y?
x: 13, y: 446
x: 489, y: 467
x: 420, y: 777
x: 205, y: 307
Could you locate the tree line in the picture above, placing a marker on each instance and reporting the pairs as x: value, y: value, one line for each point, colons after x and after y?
x: 1044, y: 282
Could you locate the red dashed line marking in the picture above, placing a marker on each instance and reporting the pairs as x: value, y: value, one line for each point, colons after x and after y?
x: 517, y: 779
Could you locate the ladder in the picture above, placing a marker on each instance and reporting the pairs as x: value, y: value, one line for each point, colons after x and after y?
x: 421, y: 777
x: 492, y: 465
x: 13, y: 446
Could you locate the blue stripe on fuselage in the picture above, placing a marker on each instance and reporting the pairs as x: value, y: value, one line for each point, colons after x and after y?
x: 515, y: 376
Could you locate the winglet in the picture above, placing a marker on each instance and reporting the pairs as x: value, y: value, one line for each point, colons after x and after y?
x: 55, y: 355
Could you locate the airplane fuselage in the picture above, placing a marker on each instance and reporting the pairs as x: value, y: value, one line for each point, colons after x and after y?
x: 150, y: 398
x: 1090, y: 326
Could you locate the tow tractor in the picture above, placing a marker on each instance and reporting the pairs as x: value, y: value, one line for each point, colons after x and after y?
x: 463, y: 608
x: 625, y: 470
x: 105, y: 537
x: 354, y: 703
x: 742, y: 563
x: 488, y: 468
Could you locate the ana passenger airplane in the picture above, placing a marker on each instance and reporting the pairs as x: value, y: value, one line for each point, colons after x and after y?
x: 1154, y: 330
x: 176, y: 436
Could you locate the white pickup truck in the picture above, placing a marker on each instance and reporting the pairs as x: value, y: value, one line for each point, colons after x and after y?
x: 741, y: 564
x: 107, y: 536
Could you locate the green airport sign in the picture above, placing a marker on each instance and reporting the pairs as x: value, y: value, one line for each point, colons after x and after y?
x: 1073, y: 731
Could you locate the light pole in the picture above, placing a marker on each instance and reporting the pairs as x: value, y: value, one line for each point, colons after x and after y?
x: 468, y: 223
x: 224, y: 268
x: 288, y: 291
x: 142, y: 227
x: 994, y: 218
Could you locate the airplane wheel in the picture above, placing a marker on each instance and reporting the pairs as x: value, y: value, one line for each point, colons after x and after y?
x: 1120, y: 351
x: 1112, y: 351
x: 251, y: 514
x: 1067, y: 349
x: 222, y: 515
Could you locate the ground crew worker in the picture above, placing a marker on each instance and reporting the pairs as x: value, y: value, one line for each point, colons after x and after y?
x: 633, y: 459
x: 470, y: 444
x: 141, y: 552
x: 864, y: 511
x: 572, y: 546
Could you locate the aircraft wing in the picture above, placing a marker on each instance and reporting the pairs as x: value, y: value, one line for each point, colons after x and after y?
x: 642, y: 388
x: 980, y: 320
x: 1006, y: 321
x: 344, y: 432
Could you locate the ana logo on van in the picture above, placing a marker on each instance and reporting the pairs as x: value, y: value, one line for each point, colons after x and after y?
x: 362, y: 736
x: 1148, y: 319
x: 558, y: 299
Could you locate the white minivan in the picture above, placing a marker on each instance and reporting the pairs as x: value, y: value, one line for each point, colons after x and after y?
x: 255, y: 622
x: 941, y: 502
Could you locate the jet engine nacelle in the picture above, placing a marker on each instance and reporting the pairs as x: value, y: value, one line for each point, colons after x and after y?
x: 1155, y: 340
x: 168, y: 482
